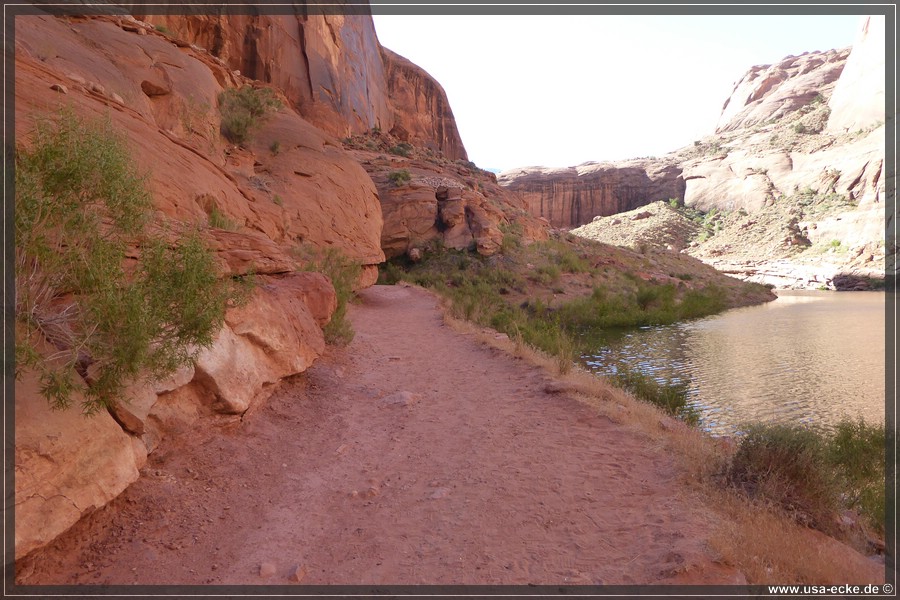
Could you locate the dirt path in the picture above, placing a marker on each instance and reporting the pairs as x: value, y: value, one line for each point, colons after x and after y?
x: 482, y: 478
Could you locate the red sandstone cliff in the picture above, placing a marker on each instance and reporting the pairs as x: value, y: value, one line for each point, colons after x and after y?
x: 572, y: 196
x: 333, y: 71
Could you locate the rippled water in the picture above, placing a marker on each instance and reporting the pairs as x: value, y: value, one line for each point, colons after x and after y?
x: 806, y: 357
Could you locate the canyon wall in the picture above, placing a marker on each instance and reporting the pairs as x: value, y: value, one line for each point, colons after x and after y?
x: 332, y: 69
x: 573, y: 196
x: 261, y: 206
x: 799, y: 147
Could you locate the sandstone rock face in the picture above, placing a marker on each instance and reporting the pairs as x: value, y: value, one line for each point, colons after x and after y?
x: 309, y: 192
x: 332, y: 69
x: 858, y: 98
x: 290, y: 185
x: 328, y: 66
x: 66, y: 465
x: 426, y: 198
x: 422, y: 114
x: 769, y: 92
x: 573, y: 196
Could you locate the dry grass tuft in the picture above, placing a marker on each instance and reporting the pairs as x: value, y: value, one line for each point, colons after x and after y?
x: 770, y: 548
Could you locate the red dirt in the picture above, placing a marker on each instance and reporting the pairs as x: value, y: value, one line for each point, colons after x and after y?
x: 486, y: 478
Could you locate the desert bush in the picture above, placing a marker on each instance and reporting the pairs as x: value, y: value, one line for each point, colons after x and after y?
x: 813, y: 473
x: 402, y: 149
x: 570, y: 262
x: 787, y: 465
x: 546, y: 274
x: 81, y: 206
x: 217, y: 220
x: 856, y: 449
x: 243, y: 110
x: 344, y: 274
x: 512, y: 237
x: 400, y: 177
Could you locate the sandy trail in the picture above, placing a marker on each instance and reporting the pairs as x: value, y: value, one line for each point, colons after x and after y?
x: 485, y: 478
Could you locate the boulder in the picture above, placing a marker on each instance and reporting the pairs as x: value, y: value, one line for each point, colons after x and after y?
x: 272, y: 336
x: 66, y: 465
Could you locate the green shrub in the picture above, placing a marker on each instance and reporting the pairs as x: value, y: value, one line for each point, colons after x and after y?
x: 275, y: 148
x: 162, y: 29
x: 344, y: 274
x: 856, y: 449
x: 512, y: 237
x: 80, y: 207
x: 787, y: 465
x: 570, y: 262
x: 402, y: 149
x: 243, y: 110
x: 399, y: 177
x: 546, y: 274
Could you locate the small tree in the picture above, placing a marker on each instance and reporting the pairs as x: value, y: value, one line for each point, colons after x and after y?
x: 114, y: 302
x: 244, y: 109
x: 344, y: 274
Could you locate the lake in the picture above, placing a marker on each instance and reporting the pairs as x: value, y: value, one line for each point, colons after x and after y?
x: 809, y: 356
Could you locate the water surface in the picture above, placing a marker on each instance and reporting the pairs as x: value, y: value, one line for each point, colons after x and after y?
x: 812, y: 357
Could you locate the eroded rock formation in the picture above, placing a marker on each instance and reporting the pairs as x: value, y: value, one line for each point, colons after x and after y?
x: 858, y: 97
x: 427, y: 198
x: 573, y: 196
x: 771, y: 92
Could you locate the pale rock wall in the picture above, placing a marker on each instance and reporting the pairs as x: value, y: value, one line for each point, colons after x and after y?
x: 768, y: 92
x: 858, y: 98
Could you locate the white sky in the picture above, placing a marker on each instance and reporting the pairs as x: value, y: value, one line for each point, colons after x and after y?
x: 559, y: 91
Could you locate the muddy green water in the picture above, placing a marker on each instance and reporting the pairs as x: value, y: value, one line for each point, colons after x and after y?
x: 809, y: 357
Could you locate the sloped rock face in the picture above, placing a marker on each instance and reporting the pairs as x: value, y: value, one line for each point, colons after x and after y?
x: 309, y: 192
x: 426, y: 198
x: 858, y: 97
x: 333, y: 70
x: 66, y: 465
x: 328, y: 66
x: 770, y: 92
x: 574, y: 196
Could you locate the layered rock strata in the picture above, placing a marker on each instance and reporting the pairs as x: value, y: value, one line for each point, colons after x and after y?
x: 573, y: 196
x: 427, y: 199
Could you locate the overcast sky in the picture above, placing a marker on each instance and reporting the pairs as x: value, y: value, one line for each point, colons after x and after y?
x: 559, y: 91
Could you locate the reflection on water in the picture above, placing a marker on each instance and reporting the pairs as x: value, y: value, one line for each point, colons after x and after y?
x: 807, y: 357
